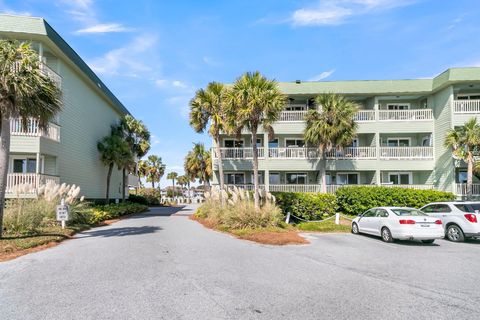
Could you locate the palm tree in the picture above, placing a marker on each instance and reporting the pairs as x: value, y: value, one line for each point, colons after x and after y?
x: 465, y: 141
x: 198, y: 164
x: 257, y: 102
x: 208, y: 106
x: 113, y: 150
x: 172, y: 175
x: 152, y: 169
x: 25, y: 92
x: 137, y: 136
x: 332, y: 126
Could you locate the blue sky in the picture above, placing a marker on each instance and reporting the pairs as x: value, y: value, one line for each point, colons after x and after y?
x: 154, y: 54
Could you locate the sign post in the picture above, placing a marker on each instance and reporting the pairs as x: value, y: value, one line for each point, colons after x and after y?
x: 62, y: 213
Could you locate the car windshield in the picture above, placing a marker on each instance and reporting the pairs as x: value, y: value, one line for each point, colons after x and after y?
x: 408, y: 212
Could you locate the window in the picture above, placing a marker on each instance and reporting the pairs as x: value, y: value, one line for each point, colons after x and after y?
x: 398, y: 142
x: 408, y: 212
x: 296, y: 178
x: 369, y: 213
x: 469, y: 96
x: 354, y: 143
x: 274, y: 178
x: 328, y: 178
x: 347, y: 178
x: 426, y: 141
x: 294, y: 143
x: 398, y: 106
x: 24, y: 165
x: 382, y: 213
x: 259, y: 143
x: 296, y: 107
x: 233, y: 143
x: 430, y: 208
x: 399, y: 177
x: 465, y: 208
x: 261, y: 180
x: 273, y: 143
x: 235, y: 178
x: 462, y: 177
x: 442, y: 208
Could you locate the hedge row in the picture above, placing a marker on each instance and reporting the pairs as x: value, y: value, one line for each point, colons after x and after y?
x: 93, y: 215
x: 355, y: 200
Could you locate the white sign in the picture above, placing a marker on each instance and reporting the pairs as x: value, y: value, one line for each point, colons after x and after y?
x: 62, y: 212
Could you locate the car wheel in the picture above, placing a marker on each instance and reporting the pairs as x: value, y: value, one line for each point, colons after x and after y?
x: 386, y: 235
x: 428, y: 241
x: 355, y: 228
x: 455, y: 233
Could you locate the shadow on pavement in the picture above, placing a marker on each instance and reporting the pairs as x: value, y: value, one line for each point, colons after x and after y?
x: 165, y: 212
x: 411, y: 243
x: 119, y: 232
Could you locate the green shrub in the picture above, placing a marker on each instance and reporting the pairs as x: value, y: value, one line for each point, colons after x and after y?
x: 357, y: 199
x: 151, y: 194
x: 308, y: 206
x: 95, y: 214
x: 138, y: 199
x: 27, y: 215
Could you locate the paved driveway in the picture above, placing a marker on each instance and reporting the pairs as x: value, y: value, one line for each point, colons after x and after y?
x: 162, y: 266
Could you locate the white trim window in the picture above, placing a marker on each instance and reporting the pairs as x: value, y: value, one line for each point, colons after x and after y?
x: 261, y: 180
x: 398, y: 106
x: 296, y: 178
x: 468, y: 96
x: 344, y: 178
x: 294, y: 142
x: 232, y: 143
x: 235, y: 178
x: 23, y: 164
x: 274, y: 178
x: 400, y: 177
x: 398, y: 142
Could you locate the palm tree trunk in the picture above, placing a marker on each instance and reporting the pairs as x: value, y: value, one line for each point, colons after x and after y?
x: 256, y: 197
x: 153, y: 184
x: 323, y: 176
x: 220, y: 168
x: 109, y: 175
x: 469, y: 176
x: 124, y: 182
x: 4, y: 152
x: 173, y: 187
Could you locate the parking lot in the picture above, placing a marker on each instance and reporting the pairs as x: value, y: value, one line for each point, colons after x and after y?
x: 157, y: 266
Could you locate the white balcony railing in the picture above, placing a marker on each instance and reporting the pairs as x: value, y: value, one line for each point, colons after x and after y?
x: 364, y: 116
x: 292, y: 116
x: 48, y: 72
x: 245, y: 186
x: 293, y: 153
x: 461, y: 189
x: 410, y: 186
x: 405, y: 115
x: 466, y: 106
x: 33, y: 129
x: 406, y: 152
x: 294, y: 188
x: 353, y: 153
x: 34, y: 180
x: 239, y: 153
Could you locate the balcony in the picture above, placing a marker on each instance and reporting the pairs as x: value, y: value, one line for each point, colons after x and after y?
x: 353, y: 153
x: 466, y: 106
x: 33, y: 180
x: 394, y: 153
x: 411, y: 186
x: 461, y: 189
x: 405, y: 115
x: 364, y: 116
x: 48, y: 72
x: 239, y: 153
x: 293, y: 153
x: 292, y: 116
x: 33, y: 130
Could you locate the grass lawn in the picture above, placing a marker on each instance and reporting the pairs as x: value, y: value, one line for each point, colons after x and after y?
x: 325, y: 226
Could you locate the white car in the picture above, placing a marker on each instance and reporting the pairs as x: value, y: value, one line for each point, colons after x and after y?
x: 399, y: 223
x: 461, y: 220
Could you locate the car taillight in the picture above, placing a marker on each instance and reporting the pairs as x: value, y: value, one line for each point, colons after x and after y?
x: 438, y: 221
x: 471, y: 217
x: 404, y: 221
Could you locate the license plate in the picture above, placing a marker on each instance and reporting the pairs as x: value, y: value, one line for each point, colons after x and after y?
x: 425, y: 225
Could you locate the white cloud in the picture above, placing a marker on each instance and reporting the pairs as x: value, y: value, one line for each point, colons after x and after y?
x: 173, y: 84
x: 334, y: 12
x: 127, y: 60
x: 321, y: 76
x: 16, y: 13
x: 209, y: 61
x: 103, y: 28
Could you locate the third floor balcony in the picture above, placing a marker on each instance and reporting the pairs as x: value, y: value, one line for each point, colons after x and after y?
x: 33, y: 130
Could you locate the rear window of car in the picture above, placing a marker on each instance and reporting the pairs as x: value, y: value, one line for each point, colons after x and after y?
x: 465, y: 207
x: 475, y: 206
x: 408, y: 212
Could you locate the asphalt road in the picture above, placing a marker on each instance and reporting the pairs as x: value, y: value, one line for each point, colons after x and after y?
x: 162, y: 266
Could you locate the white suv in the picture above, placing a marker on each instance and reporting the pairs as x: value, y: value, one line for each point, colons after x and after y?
x: 460, y: 219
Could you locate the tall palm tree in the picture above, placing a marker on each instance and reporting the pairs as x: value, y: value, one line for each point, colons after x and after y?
x: 198, y: 164
x: 465, y: 141
x: 113, y: 150
x: 332, y: 126
x: 172, y: 175
x: 137, y: 136
x: 208, y: 107
x: 152, y: 169
x: 257, y: 102
x: 25, y: 92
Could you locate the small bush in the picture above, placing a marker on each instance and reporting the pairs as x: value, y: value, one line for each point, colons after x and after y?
x: 308, y: 206
x: 138, y: 199
x: 357, y: 199
x: 95, y: 214
x: 152, y: 195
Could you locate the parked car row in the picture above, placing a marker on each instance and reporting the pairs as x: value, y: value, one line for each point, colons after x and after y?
x: 455, y: 221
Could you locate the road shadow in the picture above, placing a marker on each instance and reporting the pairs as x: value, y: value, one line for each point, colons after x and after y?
x: 411, y: 243
x: 118, y: 232
x: 166, y: 212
